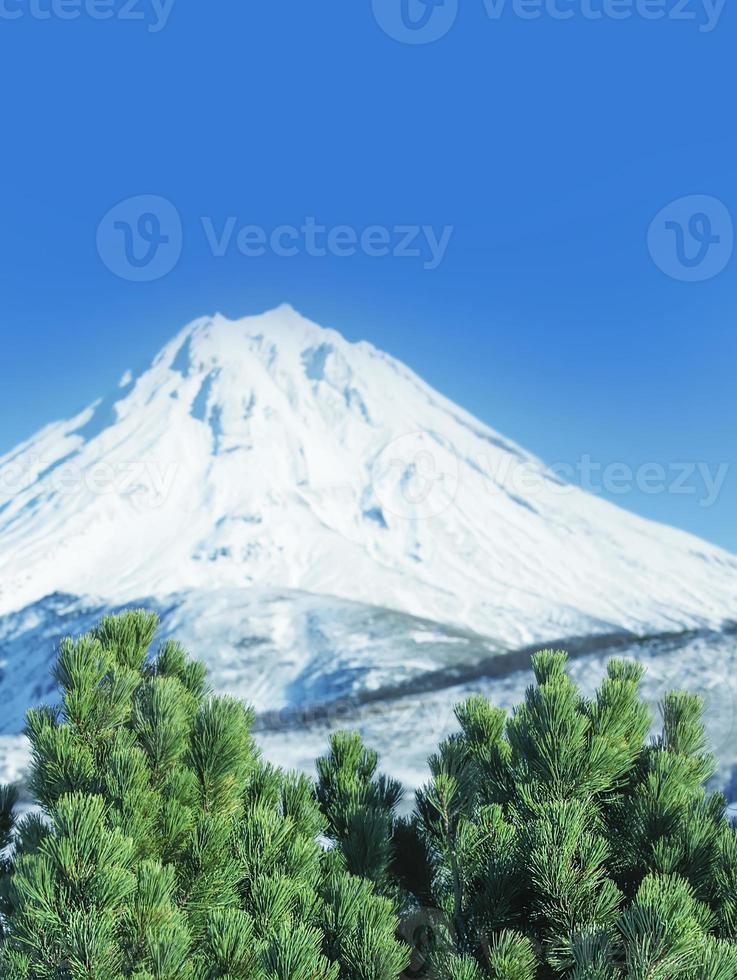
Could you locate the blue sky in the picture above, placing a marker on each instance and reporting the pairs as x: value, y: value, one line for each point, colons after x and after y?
x: 548, y: 145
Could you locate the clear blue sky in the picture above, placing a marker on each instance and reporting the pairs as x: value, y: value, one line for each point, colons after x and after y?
x: 549, y: 145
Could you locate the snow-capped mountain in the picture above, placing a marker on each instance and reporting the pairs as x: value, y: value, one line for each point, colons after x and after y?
x: 317, y: 523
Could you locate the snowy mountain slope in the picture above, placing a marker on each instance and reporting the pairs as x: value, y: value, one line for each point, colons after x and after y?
x: 306, y: 512
x: 276, y: 649
x: 270, y: 451
x: 406, y: 729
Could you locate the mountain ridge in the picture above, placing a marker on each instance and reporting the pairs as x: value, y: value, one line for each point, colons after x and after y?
x: 269, y: 456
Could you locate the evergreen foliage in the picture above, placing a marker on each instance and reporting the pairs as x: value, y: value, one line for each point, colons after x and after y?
x: 165, y: 849
x: 360, y: 807
x: 561, y: 841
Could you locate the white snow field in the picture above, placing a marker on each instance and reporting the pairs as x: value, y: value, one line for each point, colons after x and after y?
x: 322, y: 527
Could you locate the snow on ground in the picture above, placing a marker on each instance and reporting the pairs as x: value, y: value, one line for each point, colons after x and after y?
x: 406, y: 730
x: 14, y: 754
x: 275, y: 649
